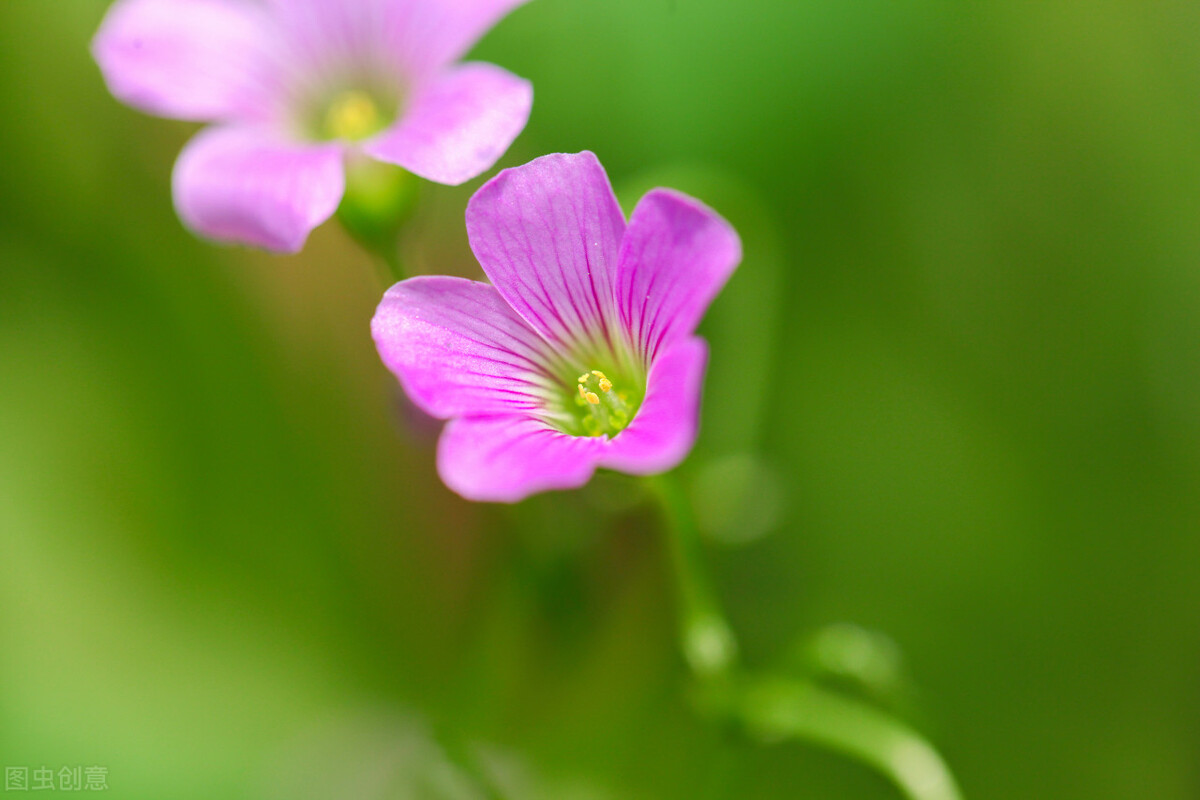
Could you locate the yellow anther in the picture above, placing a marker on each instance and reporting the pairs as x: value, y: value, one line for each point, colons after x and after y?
x: 353, y: 115
x: 601, y: 418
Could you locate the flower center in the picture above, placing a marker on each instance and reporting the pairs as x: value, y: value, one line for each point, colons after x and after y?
x: 351, y: 116
x: 602, y: 409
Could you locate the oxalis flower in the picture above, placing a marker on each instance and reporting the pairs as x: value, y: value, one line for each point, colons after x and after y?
x: 581, y: 353
x: 294, y: 87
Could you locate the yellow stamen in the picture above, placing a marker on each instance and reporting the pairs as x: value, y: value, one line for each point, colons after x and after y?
x: 609, y: 417
x: 352, y: 116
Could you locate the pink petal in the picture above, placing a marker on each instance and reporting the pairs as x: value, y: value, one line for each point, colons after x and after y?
x: 419, y: 38
x: 458, y: 348
x: 342, y: 39
x: 456, y: 127
x: 676, y: 256
x: 547, y: 234
x: 439, y: 33
x: 664, y: 429
x: 188, y: 59
x: 504, y: 459
x: 247, y: 186
x: 508, y: 457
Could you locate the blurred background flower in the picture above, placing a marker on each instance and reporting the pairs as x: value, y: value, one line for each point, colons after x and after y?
x: 962, y: 348
x: 297, y: 89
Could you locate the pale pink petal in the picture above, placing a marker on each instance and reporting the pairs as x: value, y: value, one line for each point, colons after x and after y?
x: 547, y: 234
x: 503, y: 459
x: 664, y: 428
x: 248, y: 186
x: 438, y: 33
x: 417, y: 38
x: 328, y: 42
x: 458, y: 348
x: 458, y: 125
x: 676, y: 256
x: 188, y: 59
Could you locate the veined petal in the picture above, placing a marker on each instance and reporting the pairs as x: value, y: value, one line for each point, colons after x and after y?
x: 418, y: 37
x: 332, y: 39
x: 248, y: 186
x: 438, y: 33
x: 188, y: 59
x: 547, y: 234
x: 458, y: 125
x: 503, y: 459
x: 459, y: 349
x: 664, y: 429
x: 676, y: 256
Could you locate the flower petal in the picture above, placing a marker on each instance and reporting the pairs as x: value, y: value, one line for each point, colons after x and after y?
x: 327, y: 41
x: 504, y: 459
x: 439, y: 33
x: 188, y: 59
x: 547, y: 234
x: 457, y: 126
x: 664, y: 429
x: 245, y: 185
x: 676, y: 256
x: 420, y: 38
x: 459, y: 349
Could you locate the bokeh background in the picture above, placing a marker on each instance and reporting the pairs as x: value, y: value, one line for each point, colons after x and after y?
x: 954, y: 398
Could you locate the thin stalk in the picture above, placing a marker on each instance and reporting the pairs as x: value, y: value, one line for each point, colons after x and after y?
x: 390, y: 267
x: 707, y: 639
x: 776, y: 708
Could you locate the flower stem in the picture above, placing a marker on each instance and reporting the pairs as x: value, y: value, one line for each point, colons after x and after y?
x: 391, y: 268
x: 778, y: 708
x: 467, y: 764
x: 774, y: 707
x: 379, y: 202
x: 707, y: 639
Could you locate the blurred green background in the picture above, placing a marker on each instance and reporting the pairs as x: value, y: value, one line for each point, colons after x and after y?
x: 959, y: 371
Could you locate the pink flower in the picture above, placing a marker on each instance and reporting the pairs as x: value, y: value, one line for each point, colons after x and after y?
x: 581, y: 353
x: 294, y: 86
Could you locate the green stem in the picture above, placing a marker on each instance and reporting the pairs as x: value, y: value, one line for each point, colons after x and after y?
x: 779, y: 708
x: 461, y: 757
x: 391, y: 268
x: 707, y: 639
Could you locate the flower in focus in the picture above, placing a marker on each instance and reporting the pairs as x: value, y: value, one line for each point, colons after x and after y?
x: 581, y: 353
x: 295, y: 87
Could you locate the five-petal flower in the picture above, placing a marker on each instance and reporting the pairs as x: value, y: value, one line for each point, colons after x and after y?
x: 581, y: 353
x: 294, y: 86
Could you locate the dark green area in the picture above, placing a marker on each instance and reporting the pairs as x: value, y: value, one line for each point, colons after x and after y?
x: 956, y: 379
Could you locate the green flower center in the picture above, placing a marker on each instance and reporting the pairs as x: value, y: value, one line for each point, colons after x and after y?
x: 599, y: 405
x: 352, y: 115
